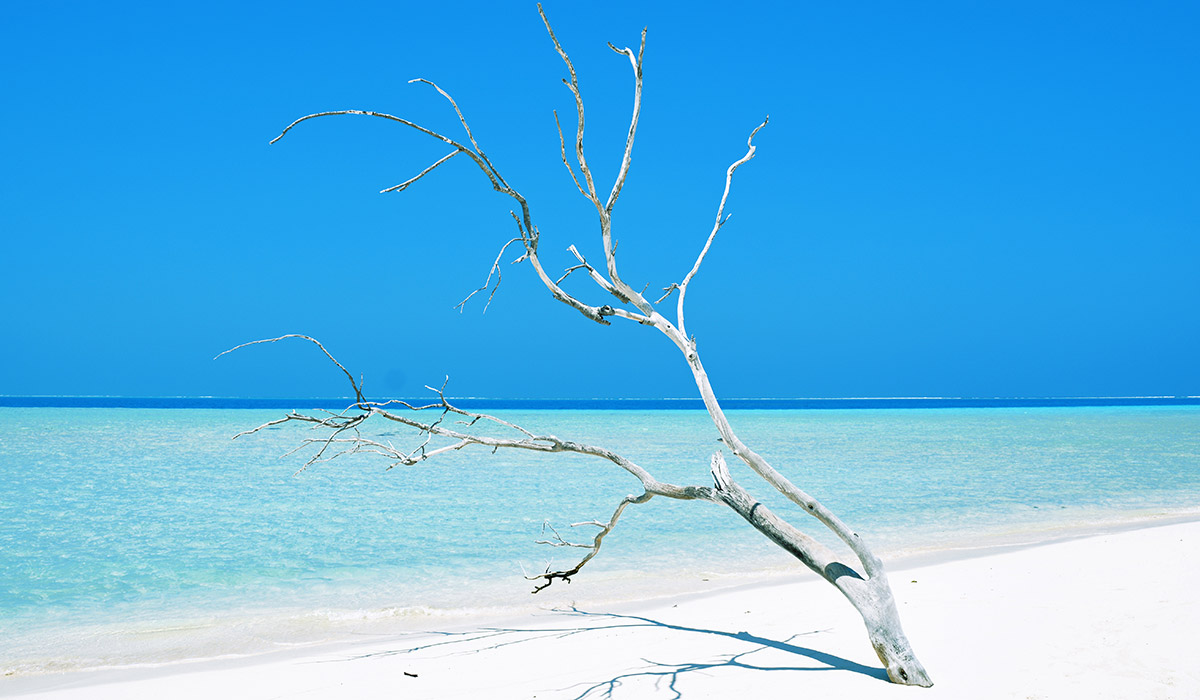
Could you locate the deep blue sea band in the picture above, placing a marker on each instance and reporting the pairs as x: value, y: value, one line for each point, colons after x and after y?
x: 594, y: 404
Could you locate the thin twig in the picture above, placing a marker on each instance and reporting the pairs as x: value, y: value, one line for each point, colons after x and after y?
x: 573, y: 86
x: 717, y: 224
x: 404, y: 185
x: 549, y: 577
x: 667, y: 292
x: 562, y: 147
x: 496, y: 270
x: 357, y: 390
x: 463, y: 121
x: 636, y: 62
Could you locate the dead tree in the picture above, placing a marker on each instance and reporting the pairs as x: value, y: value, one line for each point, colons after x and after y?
x: 863, y: 582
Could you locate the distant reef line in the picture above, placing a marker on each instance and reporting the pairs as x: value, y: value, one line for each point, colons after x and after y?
x: 597, y: 404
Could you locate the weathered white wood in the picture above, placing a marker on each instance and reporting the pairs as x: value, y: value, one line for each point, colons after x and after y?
x: 863, y: 582
x: 717, y: 224
x: 871, y: 596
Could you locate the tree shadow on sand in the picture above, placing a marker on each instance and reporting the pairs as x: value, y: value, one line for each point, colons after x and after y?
x: 664, y: 676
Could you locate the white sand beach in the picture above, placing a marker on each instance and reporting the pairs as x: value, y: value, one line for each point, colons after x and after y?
x: 1105, y: 616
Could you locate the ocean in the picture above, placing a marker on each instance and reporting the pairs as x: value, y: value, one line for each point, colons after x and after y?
x: 145, y: 535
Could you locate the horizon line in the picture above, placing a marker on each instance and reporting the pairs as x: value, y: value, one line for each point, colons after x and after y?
x: 616, y: 398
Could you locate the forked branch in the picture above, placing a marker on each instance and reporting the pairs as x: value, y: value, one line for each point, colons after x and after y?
x: 345, y: 437
x: 466, y: 127
x: 529, y: 232
x: 494, y: 270
x: 573, y: 86
x: 617, y: 287
x: 343, y: 433
x: 550, y: 576
x: 636, y: 62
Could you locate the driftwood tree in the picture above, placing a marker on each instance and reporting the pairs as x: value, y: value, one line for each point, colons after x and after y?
x: 863, y: 582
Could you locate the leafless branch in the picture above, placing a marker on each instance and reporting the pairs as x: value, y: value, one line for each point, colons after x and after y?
x: 567, y: 273
x: 463, y: 121
x: 268, y: 424
x: 596, y: 276
x: 615, y: 285
x: 549, y: 577
x: 717, y: 224
x: 356, y: 385
x: 529, y: 232
x: 479, y: 161
x: 476, y: 417
x: 558, y: 540
x: 343, y: 423
x: 667, y: 292
x: 404, y: 185
x: 495, y: 269
x: 573, y: 86
x: 527, y: 237
x: 608, y: 287
x: 636, y: 62
x: 871, y: 595
x: 562, y: 146
x: 620, y: 289
x: 345, y: 431
x: 332, y: 438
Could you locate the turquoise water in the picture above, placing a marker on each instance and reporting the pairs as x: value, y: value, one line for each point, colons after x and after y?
x: 147, y: 535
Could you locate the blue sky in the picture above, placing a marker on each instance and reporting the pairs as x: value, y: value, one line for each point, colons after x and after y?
x: 996, y: 200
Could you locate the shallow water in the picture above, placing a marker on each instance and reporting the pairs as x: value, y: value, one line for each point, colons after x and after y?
x: 147, y: 535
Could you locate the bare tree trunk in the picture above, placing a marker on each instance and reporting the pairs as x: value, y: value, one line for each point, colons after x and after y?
x: 867, y: 591
x: 871, y: 597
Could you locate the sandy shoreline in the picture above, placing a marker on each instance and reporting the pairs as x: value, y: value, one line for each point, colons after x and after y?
x: 1110, y: 615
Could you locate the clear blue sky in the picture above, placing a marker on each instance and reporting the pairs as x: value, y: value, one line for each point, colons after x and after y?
x: 950, y: 199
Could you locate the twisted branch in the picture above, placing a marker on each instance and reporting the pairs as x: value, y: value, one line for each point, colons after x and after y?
x: 617, y: 287
x: 870, y: 595
x: 549, y: 577
x: 345, y: 431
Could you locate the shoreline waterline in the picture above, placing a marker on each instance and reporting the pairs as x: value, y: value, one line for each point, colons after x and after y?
x: 148, y: 536
x: 435, y: 621
x: 694, y: 613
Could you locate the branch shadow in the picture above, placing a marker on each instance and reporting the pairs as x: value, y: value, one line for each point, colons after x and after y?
x: 663, y: 675
x: 670, y: 674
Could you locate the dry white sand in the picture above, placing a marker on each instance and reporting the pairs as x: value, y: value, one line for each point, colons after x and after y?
x: 1108, y: 616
